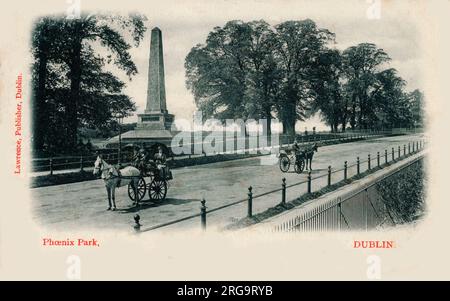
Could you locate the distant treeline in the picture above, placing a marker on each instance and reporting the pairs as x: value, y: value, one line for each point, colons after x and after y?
x: 291, y: 71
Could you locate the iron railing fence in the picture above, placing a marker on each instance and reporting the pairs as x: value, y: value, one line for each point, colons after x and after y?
x: 81, y: 162
x: 363, y: 209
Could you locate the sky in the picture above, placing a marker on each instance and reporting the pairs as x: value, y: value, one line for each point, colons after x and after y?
x: 390, y: 25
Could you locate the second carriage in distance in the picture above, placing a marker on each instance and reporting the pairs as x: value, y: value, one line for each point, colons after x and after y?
x: 296, y: 155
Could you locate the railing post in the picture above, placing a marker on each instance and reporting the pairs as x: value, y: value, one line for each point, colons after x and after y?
x: 345, y: 170
x: 81, y: 163
x: 137, y: 225
x: 378, y: 159
x: 409, y: 148
x: 392, y: 154
x: 309, y: 182
x: 283, y: 191
x: 357, y: 165
x: 404, y: 150
x: 250, y: 202
x: 329, y: 175
x: 51, y: 166
x: 368, y: 162
x: 417, y: 145
x: 399, y: 152
x: 203, y: 214
x: 385, y: 156
x: 340, y: 215
x: 413, y: 147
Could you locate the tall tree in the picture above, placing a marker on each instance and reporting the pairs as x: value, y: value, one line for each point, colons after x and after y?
x: 45, y: 47
x: 390, y: 106
x: 298, y: 46
x: 105, y: 30
x: 361, y: 65
x: 264, y: 80
x: 66, y: 47
x: 326, y: 85
x: 417, y: 107
x: 217, y: 71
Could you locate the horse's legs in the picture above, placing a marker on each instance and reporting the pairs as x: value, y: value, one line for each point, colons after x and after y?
x: 113, y: 192
x: 109, y: 197
x: 310, y: 163
x: 135, y: 188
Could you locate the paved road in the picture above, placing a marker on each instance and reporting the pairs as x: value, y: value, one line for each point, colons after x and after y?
x: 83, y: 205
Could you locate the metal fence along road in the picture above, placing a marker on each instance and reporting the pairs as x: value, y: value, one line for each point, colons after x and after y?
x: 82, y: 162
x: 364, y: 209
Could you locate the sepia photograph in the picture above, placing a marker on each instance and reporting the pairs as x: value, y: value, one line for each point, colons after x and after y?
x: 298, y: 125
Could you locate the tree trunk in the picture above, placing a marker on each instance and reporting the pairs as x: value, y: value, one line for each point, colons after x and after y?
x: 343, y: 123
x: 75, y: 87
x: 353, y: 118
x: 289, y: 125
x: 336, y: 125
x: 268, y: 129
x: 40, y: 112
x: 289, y: 115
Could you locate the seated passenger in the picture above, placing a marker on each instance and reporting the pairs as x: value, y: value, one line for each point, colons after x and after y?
x: 140, y: 159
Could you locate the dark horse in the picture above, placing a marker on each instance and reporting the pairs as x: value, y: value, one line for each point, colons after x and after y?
x: 309, y: 154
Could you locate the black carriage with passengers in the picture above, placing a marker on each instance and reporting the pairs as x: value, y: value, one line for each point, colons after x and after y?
x: 154, y: 172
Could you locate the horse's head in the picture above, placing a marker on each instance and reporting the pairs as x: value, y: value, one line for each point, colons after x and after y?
x: 315, y: 147
x: 98, y: 165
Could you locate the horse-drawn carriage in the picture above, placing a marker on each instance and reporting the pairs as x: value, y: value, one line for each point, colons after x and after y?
x: 148, y: 172
x: 297, y: 155
x: 156, y: 184
x: 152, y: 166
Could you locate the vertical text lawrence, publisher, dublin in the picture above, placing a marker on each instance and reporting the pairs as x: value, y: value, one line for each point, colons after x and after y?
x: 18, y: 124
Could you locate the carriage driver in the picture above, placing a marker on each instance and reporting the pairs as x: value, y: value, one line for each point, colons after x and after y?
x: 160, y: 161
x: 296, y: 148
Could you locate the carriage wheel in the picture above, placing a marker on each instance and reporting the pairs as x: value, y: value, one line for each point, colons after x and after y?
x: 299, y: 166
x: 284, y: 163
x: 157, y: 190
x: 141, y: 190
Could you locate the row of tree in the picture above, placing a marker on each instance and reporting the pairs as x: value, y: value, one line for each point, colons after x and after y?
x: 289, y: 71
x: 71, y: 89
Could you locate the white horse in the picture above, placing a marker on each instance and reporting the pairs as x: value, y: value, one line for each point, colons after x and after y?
x: 114, y: 177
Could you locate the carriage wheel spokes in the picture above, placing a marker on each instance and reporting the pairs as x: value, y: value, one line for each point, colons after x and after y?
x: 284, y: 163
x: 157, y: 190
x: 299, y: 166
x: 141, y: 190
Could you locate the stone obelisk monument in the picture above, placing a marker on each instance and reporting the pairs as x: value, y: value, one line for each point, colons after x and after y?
x: 154, y: 125
x: 155, y: 116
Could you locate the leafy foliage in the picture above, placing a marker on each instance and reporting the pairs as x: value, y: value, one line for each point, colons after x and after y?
x: 403, y: 193
x: 71, y: 90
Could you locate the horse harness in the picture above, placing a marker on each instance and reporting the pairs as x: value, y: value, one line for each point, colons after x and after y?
x: 111, y: 174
